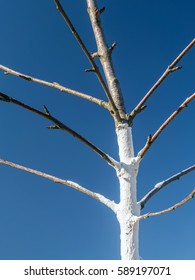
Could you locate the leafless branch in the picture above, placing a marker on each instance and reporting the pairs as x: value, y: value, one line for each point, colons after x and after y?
x: 56, y: 86
x: 177, y: 205
x: 171, y: 68
x: 159, y: 186
x: 89, y: 56
x: 99, y: 197
x: 105, y: 57
x: 60, y: 125
x: 151, y: 139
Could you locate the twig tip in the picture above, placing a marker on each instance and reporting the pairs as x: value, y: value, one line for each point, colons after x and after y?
x: 102, y: 10
x: 90, y: 70
x: 46, y: 110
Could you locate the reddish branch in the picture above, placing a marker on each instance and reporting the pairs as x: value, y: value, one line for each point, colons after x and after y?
x: 159, y: 186
x: 171, y: 68
x: 175, y: 206
x: 151, y: 139
x: 59, y: 125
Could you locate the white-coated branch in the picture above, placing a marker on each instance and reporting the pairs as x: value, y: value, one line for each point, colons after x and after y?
x: 164, y: 183
x: 110, y: 204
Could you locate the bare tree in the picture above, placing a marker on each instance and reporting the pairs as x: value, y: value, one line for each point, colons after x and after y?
x: 128, y: 210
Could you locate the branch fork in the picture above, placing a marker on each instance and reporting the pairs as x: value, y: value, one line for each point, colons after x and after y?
x: 99, y: 11
x: 173, y: 69
x: 113, y: 46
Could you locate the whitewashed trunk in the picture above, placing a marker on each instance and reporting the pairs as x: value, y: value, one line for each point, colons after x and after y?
x: 128, y: 209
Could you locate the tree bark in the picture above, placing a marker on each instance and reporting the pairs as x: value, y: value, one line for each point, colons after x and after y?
x: 128, y: 208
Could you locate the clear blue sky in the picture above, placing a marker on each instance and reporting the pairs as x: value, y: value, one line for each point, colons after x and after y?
x: 42, y: 220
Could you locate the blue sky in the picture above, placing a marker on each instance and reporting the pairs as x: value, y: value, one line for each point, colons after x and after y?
x: 42, y: 220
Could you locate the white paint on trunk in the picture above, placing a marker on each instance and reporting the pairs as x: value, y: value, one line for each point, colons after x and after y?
x: 125, y: 142
x: 128, y: 208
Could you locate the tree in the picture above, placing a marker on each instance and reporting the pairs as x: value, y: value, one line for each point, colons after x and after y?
x: 129, y: 209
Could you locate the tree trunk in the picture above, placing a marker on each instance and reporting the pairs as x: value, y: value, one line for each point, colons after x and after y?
x: 128, y: 208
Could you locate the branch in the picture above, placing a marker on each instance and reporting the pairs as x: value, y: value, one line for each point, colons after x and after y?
x: 171, y: 68
x: 164, y: 183
x: 151, y: 139
x: 89, y: 56
x: 55, y: 85
x: 105, y: 57
x: 177, y: 205
x: 60, y: 125
x: 73, y: 185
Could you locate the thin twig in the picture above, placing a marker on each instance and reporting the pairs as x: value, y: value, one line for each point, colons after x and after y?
x: 99, y: 197
x: 177, y: 205
x: 171, y: 68
x: 151, y: 139
x: 55, y: 85
x: 89, y: 56
x: 159, y: 186
x: 60, y: 125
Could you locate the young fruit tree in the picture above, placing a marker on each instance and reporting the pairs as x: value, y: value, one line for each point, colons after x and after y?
x: 134, y: 114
